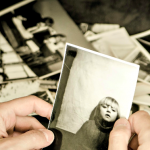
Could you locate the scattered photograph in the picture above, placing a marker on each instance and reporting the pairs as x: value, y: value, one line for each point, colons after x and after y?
x: 90, y: 98
x: 116, y: 43
x: 142, y: 100
x: 145, y: 44
x: 144, y: 39
x: 12, y: 67
x: 138, y: 57
x: 50, y: 82
x: 35, y: 41
x: 20, y: 88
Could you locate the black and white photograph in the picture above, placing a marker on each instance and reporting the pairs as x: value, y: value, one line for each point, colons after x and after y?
x: 50, y: 82
x: 138, y: 57
x: 115, y: 43
x: 20, y: 88
x: 35, y: 41
x: 144, y: 39
x: 37, y: 37
x: 94, y: 91
x: 16, y: 89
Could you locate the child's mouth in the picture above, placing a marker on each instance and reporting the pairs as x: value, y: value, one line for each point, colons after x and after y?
x: 107, y: 116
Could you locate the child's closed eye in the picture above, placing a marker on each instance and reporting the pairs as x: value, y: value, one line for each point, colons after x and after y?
x: 113, y: 110
x: 104, y: 106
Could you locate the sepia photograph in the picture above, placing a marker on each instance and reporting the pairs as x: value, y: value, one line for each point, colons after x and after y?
x: 93, y: 92
x: 138, y: 57
x: 115, y: 43
x: 35, y: 41
x: 145, y: 42
x: 19, y: 88
x: 144, y: 39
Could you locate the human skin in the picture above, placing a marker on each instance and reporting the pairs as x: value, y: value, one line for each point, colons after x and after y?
x: 137, y: 127
x: 108, y: 113
x: 18, y: 131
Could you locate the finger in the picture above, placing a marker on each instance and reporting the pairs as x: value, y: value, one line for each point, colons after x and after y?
x: 15, y: 133
x: 26, y: 105
x: 3, y: 132
x: 140, y: 124
x: 24, y: 124
x: 120, y: 135
x: 134, y: 143
x: 34, y: 139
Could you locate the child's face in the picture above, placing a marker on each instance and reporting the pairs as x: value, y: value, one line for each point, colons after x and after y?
x: 108, y: 113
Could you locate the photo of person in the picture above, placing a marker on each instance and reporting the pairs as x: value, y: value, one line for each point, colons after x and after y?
x: 94, y: 90
x: 98, y: 126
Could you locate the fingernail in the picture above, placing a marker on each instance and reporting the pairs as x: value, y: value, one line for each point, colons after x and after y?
x: 120, y: 126
x: 49, y: 135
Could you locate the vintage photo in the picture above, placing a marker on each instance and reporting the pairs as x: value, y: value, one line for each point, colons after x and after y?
x: 116, y: 43
x: 19, y: 88
x: 138, y: 57
x: 50, y: 82
x: 144, y: 39
x: 94, y: 91
x: 15, y: 89
x: 33, y: 41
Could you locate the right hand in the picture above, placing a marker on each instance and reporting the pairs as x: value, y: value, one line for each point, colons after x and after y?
x: 138, y: 125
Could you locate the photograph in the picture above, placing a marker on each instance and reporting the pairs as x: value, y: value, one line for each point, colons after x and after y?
x: 144, y: 39
x: 93, y: 92
x: 115, y: 43
x: 18, y: 88
x: 12, y: 67
x: 35, y: 41
x: 50, y: 82
x: 139, y: 57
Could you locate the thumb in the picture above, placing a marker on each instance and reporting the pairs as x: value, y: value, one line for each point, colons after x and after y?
x: 33, y: 139
x: 120, y: 135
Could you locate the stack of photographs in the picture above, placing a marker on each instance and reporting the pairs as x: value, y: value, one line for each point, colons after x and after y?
x: 31, y: 54
x: 116, y: 42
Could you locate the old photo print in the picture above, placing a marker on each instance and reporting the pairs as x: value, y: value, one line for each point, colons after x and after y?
x: 34, y: 47
x: 94, y: 91
x: 141, y: 57
x: 144, y: 39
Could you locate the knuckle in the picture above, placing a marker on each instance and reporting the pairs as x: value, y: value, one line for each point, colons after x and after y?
x: 33, y: 119
x: 33, y: 97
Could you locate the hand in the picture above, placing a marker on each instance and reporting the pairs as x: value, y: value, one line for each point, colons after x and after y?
x: 21, y: 132
x: 137, y: 129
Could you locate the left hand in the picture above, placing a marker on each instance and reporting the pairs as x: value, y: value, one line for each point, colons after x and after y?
x: 18, y: 131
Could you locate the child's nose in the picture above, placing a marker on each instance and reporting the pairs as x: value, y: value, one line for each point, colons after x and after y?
x: 109, y: 108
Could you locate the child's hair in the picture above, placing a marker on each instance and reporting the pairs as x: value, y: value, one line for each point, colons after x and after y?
x: 97, y: 115
x: 111, y: 102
